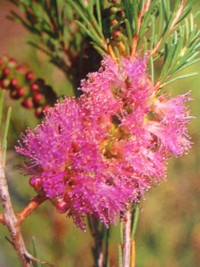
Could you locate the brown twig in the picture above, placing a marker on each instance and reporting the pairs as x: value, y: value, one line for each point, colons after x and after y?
x: 11, y: 220
x: 31, y: 258
x: 34, y: 203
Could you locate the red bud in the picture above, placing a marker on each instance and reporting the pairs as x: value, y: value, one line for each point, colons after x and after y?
x: 13, y: 82
x: 12, y: 62
x: 14, y: 95
x: 39, y: 112
x: 61, y: 206
x: 20, y: 69
x: 29, y: 76
x: 27, y: 103
x: 38, y: 98
x: 46, y: 108
x: 4, y: 83
x: 21, y: 91
x: 6, y: 71
x: 34, y: 87
x: 36, y: 183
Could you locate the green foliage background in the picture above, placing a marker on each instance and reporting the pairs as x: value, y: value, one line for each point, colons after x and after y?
x: 168, y: 234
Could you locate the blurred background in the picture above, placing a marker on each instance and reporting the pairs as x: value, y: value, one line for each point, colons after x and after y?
x: 168, y: 233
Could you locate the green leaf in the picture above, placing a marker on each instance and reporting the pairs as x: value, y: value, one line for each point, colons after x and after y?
x: 1, y: 105
x: 129, y: 32
x: 135, y: 220
x: 35, y: 252
x: 82, y: 13
x: 182, y: 77
x: 152, y: 69
x: 129, y: 11
x: 98, y: 5
x: 124, y: 39
x: 92, y: 35
x: 148, y: 17
x: 135, y: 15
x: 5, y: 135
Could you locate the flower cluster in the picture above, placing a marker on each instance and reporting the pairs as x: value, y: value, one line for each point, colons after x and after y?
x: 95, y: 154
x: 22, y: 85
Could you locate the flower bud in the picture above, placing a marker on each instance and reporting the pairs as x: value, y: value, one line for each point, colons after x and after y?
x: 38, y: 98
x: 39, y: 112
x: 20, y: 69
x: 6, y: 71
x: 113, y: 9
x: 29, y: 76
x: 27, y: 103
x: 117, y: 35
x: 113, y: 22
x: 61, y: 206
x: 34, y: 87
x: 14, y: 82
x: 120, y: 14
x: 12, y: 63
x: 46, y: 108
x: 4, y: 83
x: 36, y: 184
x: 14, y: 95
x: 21, y: 91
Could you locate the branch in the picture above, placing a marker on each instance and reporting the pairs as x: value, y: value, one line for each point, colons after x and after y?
x: 34, y: 203
x: 11, y: 220
x: 21, y: 216
x: 33, y: 259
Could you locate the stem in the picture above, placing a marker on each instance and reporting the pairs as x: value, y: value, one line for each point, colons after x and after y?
x: 106, y: 247
x: 34, y: 203
x: 135, y: 220
x: 130, y: 225
x: 133, y: 253
x: 97, y: 231
x: 21, y: 216
x: 134, y: 227
x: 11, y: 220
x: 127, y: 238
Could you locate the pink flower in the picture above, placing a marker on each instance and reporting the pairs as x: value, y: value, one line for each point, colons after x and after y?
x: 93, y: 155
x: 171, y: 124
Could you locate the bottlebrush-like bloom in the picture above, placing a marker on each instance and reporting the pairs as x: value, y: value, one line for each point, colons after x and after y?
x: 93, y: 155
